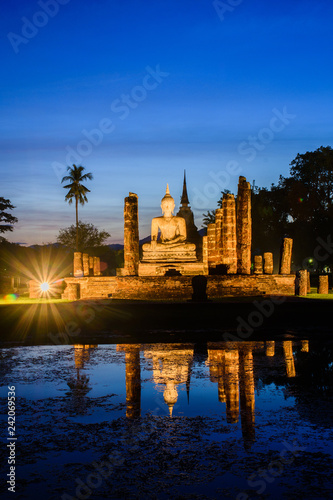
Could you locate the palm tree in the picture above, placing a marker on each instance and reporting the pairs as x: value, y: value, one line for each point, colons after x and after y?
x: 77, y: 191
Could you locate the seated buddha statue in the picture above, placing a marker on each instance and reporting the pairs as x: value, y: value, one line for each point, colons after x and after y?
x: 172, y: 242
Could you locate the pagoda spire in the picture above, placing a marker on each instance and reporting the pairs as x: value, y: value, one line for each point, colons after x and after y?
x: 184, y: 199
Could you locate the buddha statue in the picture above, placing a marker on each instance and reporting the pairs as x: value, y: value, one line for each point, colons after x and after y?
x: 172, y: 243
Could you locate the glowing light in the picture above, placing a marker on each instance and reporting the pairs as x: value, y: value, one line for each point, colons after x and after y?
x: 310, y: 261
x: 11, y: 297
x: 45, y: 286
x: 300, y: 200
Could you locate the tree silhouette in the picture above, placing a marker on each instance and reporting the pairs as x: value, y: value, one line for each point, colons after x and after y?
x: 77, y: 191
x: 6, y: 217
x: 89, y: 236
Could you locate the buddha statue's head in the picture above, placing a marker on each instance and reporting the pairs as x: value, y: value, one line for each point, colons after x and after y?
x: 167, y: 203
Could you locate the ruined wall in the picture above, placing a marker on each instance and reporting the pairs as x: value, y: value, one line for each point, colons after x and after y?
x: 179, y: 288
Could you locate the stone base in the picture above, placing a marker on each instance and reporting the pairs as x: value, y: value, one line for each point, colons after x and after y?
x: 160, y: 268
x: 170, y: 256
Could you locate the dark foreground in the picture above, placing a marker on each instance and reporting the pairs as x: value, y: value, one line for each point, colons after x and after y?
x: 136, y: 321
x: 222, y: 420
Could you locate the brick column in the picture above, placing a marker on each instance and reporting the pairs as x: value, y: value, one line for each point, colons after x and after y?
x: 287, y: 247
x: 72, y: 291
x: 218, y: 235
x: 323, y: 284
x: 211, y: 236
x: 85, y: 261
x: 244, y: 227
x: 258, y: 264
x: 97, y: 266
x: 34, y: 289
x: 78, y: 267
x: 268, y: 263
x: 229, y: 246
x: 131, y: 235
x: 205, y: 253
x: 303, y: 283
x: 91, y: 266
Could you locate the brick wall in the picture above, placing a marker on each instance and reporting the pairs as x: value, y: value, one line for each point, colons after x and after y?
x: 180, y: 288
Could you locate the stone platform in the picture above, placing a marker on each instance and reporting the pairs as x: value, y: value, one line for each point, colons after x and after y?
x: 160, y: 268
x: 176, y: 287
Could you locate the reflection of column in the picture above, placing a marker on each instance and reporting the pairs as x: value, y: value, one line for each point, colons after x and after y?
x: 231, y: 365
x: 216, y: 371
x: 133, y: 379
x: 289, y: 358
x: 246, y: 383
x: 304, y: 346
x: 270, y: 348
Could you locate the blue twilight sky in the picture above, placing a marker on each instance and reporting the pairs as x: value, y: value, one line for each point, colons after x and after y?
x: 137, y: 91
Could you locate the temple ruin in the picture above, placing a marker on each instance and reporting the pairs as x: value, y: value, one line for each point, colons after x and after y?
x: 177, y: 252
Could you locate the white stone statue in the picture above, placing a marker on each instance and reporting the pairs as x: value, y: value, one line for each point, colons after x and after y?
x: 172, y: 233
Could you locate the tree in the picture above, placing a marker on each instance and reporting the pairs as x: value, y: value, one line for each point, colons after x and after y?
x: 82, y: 236
x: 77, y: 191
x: 6, y: 217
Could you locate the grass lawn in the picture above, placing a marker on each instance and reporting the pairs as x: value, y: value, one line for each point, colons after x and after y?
x: 11, y: 299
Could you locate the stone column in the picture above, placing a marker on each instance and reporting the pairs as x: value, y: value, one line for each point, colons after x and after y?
x: 244, y: 227
x: 205, y: 253
x: 309, y: 282
x: 287, y: 247
x: 229, y: 246
x: 211, y: 235
x: 78, y: 267
x: 268, y: 263
x: 304, y: 346
x: 97, y: 266
x: 218, y: 235
x: 85, y: 260
x: 258, y: 264
x: 131, y: 235
x: 303, y: 283
x: 323, y: 284
x: 34, y: 289
x: 91, y: 266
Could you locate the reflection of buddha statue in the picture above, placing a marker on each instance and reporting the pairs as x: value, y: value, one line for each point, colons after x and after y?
x: 172, y: 243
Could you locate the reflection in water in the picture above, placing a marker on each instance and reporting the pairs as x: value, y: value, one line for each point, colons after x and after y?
x: 270, y: 348
x: 231, y: 367
x: 289, y: 358
x: 79, y: 385
x: 171, y: 367
x: 133, y: 379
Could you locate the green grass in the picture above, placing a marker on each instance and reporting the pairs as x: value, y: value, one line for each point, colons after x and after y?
x: 314, y: 295
x: 27, y: 300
